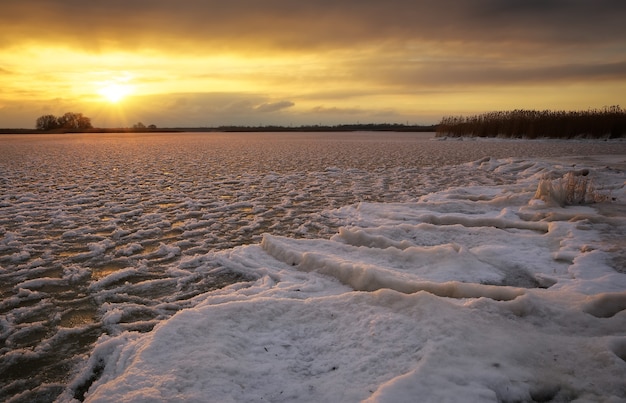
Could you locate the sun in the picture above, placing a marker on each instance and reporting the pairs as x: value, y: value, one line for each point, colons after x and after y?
x: 115, y: 92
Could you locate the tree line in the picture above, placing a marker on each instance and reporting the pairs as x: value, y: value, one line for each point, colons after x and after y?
x: 595, y: 123
x: 68, y: 121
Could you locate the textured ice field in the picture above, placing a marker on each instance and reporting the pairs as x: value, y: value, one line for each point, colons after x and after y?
x: 357, y: 266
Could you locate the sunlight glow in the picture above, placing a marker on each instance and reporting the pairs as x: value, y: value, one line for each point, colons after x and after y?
x: 115, y: 92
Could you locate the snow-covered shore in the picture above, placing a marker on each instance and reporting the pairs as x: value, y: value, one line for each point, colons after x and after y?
x: 473, y: 293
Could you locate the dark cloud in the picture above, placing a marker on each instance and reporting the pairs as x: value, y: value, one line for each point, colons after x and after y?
x: 333, y: 110
x: 247, y: 24
x: 269, y: 107
x: 342, y: 115
x: 208, y: 109
x: 426, y: 75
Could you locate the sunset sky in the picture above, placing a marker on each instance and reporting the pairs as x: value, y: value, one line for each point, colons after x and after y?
x: 289, y: 62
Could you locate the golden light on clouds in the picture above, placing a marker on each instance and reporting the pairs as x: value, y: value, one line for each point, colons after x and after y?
x: 329, y: 62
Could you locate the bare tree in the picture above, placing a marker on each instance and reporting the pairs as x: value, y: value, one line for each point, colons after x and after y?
x: 47, y: 122
x: 73, y: 120
x: 70, y: 120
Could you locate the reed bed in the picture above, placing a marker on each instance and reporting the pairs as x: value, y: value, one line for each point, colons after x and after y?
x: 608, y: 122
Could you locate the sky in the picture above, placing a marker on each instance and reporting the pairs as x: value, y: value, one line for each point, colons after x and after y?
x: 205, y: 63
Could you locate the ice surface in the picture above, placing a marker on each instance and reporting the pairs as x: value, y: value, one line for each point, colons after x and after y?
x: 105, y: 237
x: 473, y: 293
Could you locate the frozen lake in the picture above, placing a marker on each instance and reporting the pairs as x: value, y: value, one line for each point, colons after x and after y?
x: 108, y: 242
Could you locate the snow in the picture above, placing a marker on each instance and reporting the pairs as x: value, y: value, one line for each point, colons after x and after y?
x: 477, y: 292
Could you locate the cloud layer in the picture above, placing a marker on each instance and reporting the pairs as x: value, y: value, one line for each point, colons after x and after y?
x: 392, y: 58
x: 312, y: 24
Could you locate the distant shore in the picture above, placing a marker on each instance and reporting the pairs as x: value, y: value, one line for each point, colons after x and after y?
x: 311, y: 128
x: 93, y: 130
